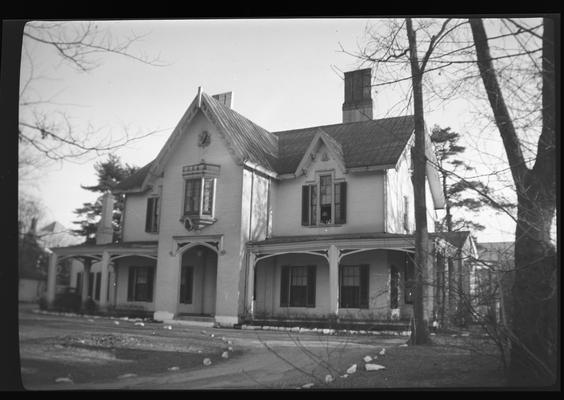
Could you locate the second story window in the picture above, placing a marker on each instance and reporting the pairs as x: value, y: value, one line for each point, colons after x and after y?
x: 199, y: 195
x: 324, y: 203
x: 152, y: 217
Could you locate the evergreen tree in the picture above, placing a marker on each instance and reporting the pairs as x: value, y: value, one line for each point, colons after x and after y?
x: 460, y: 194
x: 109, y: 174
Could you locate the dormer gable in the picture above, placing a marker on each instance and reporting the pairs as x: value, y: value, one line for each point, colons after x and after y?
x: 321, y: 148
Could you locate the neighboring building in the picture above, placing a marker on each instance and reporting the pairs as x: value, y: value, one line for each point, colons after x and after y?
x: 454, y: 269
x: 492, y: 280
x: 239, y: 223
x: 33, y: 260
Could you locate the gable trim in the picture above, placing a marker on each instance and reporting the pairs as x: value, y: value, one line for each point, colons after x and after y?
x: 308, y: 156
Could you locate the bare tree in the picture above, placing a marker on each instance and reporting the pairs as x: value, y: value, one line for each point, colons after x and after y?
x: 533, y: 351
x: 45, y: 131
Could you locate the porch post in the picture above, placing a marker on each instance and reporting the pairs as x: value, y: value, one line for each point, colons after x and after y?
x: 52, y: 279
x: 87, y: 263
x: 104, y: 280
x: 333, y: 256
x: 251, y: 285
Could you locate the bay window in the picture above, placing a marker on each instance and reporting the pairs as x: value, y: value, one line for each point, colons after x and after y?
x: 199, y: 194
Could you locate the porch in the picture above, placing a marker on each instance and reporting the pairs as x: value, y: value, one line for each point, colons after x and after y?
x: 363, y: 281
x: 118, y: 278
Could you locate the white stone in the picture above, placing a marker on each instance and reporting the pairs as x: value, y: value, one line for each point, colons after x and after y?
x: 64, y: 380
x: 367, y: 359
x: 212, y: 335
x: 207, y: 361
x: 169, y: 327
x: 352, y: 369
x: 225, y: 354
x: 139, y: 324
x: 116, y: 322
x: 329, y: 378
x: 307, y: 385
x: 382, y: 352
x: 230, y: 348
x: 373, y: 367
x: 174, y: 368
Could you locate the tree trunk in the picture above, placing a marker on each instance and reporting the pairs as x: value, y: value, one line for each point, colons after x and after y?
x: 420, y: 333
x: 534, y: 321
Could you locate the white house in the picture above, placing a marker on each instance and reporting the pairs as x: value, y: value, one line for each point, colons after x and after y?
x: 238, y: 223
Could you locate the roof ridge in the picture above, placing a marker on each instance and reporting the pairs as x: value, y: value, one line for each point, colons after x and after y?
x: 229, y: 109
x: 339, y: 123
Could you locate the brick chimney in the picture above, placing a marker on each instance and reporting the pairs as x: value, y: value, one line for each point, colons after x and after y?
x: 105, y: 232
x: 358, y: 96
x: 225, y: 98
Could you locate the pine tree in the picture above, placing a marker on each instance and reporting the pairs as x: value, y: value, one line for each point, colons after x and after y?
x: 460, y: 194
x: 109, y: 174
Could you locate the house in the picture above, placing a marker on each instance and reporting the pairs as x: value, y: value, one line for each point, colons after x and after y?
x: 33, y: 257
x: 239, y: 223
x: 492, y: 280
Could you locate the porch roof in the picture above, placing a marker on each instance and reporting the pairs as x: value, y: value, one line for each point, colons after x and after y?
x: 343, y: 242
x: 330, y: 238
x: 85, y: 249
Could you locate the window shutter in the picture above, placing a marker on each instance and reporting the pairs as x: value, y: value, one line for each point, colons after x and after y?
x: 130, y: 283
x: 311, y: 286
x: 364, y: 279
x: 342, y: 203
x: 91, y: 284
x: 305, y: 205
x: 98, y: 282
x: 284, y: 286
x: 150, y: 283
x: 148, y: 215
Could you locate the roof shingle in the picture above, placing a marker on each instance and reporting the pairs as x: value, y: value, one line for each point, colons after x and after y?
x: 367, y: 143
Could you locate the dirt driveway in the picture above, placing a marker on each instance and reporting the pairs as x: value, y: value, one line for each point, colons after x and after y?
x: 72, y: 352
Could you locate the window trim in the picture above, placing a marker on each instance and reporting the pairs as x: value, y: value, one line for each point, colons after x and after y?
x: 132, y: 295
x: 317, y: 185
x: 200, y: 212
x: 363, y: 286
x: 286, y: 300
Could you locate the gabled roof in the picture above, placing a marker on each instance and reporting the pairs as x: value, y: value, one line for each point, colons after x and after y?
x: 374, y: 143
x: 246, y: 141
x: 457, y: 239
x: 333, y: 147
x: 368, y: 143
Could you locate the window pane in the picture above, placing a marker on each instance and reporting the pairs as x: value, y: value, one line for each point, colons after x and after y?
x: 326, y: 191
x: 192, y: 200
x: 313, y: 213
x: 208, y: 196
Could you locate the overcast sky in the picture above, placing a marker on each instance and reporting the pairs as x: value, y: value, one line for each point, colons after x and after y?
x: 284, y: 75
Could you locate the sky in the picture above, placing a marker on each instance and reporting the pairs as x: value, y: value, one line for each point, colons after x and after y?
x: 285, y: 74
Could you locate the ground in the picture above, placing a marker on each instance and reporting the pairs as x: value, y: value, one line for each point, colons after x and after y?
x: 103, y: 353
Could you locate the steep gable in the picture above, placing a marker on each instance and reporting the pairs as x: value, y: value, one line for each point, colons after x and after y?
x: 357, y: 145
x: 321, y: 140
